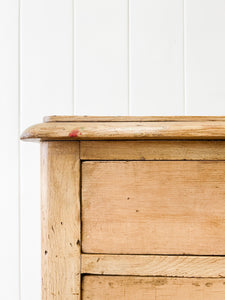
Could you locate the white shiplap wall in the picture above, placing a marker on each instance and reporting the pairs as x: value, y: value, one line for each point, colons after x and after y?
x: 156, y: 57
x: 95, y: 57
x: 9, y: 153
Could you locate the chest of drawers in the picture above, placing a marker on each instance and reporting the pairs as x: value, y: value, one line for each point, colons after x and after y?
x: 133, y: 208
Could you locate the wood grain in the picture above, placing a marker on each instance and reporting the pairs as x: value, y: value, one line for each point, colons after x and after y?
x: 152, y: 288
x: 153, y: 265
x: 132, y: 118
x: 125, y: 130
x: 152, y: 150
x: 153, y: 207
x: 60, y: 220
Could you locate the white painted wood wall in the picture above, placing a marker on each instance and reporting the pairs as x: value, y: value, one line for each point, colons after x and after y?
x: 93, y: 57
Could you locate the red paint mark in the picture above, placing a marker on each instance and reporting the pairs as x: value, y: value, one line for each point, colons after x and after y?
x: 74, y: 133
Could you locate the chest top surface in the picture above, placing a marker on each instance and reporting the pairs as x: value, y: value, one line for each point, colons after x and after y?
x: 127, y: 128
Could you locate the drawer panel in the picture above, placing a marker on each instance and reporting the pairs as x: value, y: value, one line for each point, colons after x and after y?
x: 153, y: 207
x: 150, y: 288
x: 152, y: 150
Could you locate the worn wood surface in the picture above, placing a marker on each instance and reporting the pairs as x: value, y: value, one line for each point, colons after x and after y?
x: 125, y: 130
x: 152, y: 288
x: 173, y: 207
x: 152, y: 150
x: 153, y: 207
x: 60, y: 220
x: 154, y: 265
x: 131, y: 118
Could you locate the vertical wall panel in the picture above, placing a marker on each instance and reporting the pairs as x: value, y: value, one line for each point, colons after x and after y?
x: 46, y: 88
x: 205, y: 57
x: 101, y: 57
x: 156, y: 57
x: 9, y: 170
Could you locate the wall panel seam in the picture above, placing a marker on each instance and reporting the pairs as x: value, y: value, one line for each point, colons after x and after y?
x: 129, y: 55
x: 73, y: 56
x: 19, y: 150
x: 184, y: 56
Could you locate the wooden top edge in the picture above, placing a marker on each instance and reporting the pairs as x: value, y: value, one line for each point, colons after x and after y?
x: 48, y: 119
x: 126, y: 130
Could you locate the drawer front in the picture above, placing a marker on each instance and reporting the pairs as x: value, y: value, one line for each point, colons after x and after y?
x: 150, y: 288
x: 153, y: 207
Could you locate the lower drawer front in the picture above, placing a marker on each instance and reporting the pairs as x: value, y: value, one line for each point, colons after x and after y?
x: 150, y: 288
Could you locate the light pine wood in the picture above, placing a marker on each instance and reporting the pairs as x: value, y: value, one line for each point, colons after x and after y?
x: 125, y: 130
x: 60, y: 220
x: 152, y: 150
x: 131, y: 118
x: 153, y: 207
x: 154, y: 265
x: 152, y: 191
x: 152, y: 288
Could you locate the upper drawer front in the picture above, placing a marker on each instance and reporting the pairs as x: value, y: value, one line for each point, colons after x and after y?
x: 153, y: 207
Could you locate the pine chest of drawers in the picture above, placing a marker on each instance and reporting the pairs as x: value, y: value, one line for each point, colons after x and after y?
x: 132, y: 207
